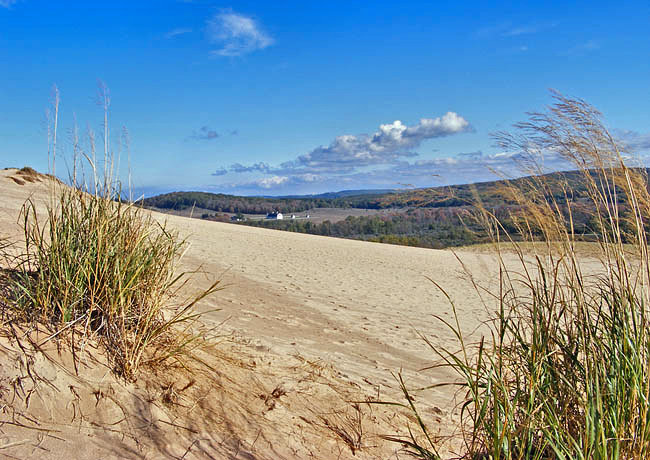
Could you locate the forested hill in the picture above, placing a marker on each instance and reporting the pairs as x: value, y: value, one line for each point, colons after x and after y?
x: 434, y: 217
x: 490, y: 193
x: 257, y: 205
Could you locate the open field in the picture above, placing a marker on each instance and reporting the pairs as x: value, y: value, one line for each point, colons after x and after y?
x: 318, y: 215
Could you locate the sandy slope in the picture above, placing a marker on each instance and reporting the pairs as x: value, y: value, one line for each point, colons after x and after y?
x: 325, y: 320
x: 355, y: 304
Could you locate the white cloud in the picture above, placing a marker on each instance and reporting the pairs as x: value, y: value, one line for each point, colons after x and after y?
x: 633, y: 141
x: 270, y: 182
x: 392, y: 141
x: 7, y: 3
x: 349, y: 155
x: 176, y: 32
x: 236, y: 34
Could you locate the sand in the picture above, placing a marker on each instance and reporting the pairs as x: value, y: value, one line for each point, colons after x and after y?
x: 305, y: 325
x: 358, y: 305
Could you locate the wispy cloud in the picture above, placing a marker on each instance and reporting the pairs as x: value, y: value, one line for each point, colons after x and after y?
x: 508, y: 29
x: 205, y: 133
x: 7, y: 3
x: 522, y: 30
x: 583, y: 48
x: 457, y: 169
x: 257, y: 167
x: 236, y: 34
x: 177, y: 32
x: 633, y: 142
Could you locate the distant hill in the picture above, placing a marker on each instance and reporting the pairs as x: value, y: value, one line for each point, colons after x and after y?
x: 490, y: 194
x: 436, y: 217
x: 219, y: 202
x: 342, y: 194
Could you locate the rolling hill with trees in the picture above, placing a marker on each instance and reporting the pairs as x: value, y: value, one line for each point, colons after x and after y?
x: 436, y: 217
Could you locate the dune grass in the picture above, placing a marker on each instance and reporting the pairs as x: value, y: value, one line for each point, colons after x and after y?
x: 566, y: 371
x: 106, y: 267
x: 97, y: 266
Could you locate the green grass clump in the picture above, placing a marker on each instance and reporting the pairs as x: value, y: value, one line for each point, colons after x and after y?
x: 94, y: 267
x: 106, y: 267
x: 565, y: 373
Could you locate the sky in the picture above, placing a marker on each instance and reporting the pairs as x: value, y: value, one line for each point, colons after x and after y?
x: 301, y: 97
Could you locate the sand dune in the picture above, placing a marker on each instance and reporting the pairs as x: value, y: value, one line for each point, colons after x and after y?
x: 323, y: 320
x: 356, y: 304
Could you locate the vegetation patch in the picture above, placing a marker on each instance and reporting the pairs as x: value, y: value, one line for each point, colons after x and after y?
x: 566, y: 371
x: 98, y: 267
x: 438, y: 217
x: 429, y: 228
x: 29, y: 174
x: 105, y: 268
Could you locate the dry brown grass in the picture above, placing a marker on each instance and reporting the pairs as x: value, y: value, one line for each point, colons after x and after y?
x: 566, y: 371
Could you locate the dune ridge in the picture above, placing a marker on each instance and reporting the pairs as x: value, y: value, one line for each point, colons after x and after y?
x: 305, y: 325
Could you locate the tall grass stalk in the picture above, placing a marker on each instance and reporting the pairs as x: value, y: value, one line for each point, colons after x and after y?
x: 97, y: 265
x: 566, y: 371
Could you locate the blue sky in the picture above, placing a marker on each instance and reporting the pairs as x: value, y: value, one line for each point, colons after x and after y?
x: 305, y: 97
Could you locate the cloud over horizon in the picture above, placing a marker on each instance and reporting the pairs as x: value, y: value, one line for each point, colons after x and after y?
x: 461, y: 168
x: 633, y: 141
x: 387, y: 159
x: 236, y: 34
x: 348, y: 154
x: 391, y: 142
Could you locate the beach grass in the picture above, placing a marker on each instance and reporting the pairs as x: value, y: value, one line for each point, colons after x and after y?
x: 95, y: 265
x: 565, y: 372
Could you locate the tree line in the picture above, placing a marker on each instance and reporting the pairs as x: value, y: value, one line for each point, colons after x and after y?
x: 429, y: 228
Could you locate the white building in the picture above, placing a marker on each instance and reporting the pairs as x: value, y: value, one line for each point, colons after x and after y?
x: 275, y: 216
